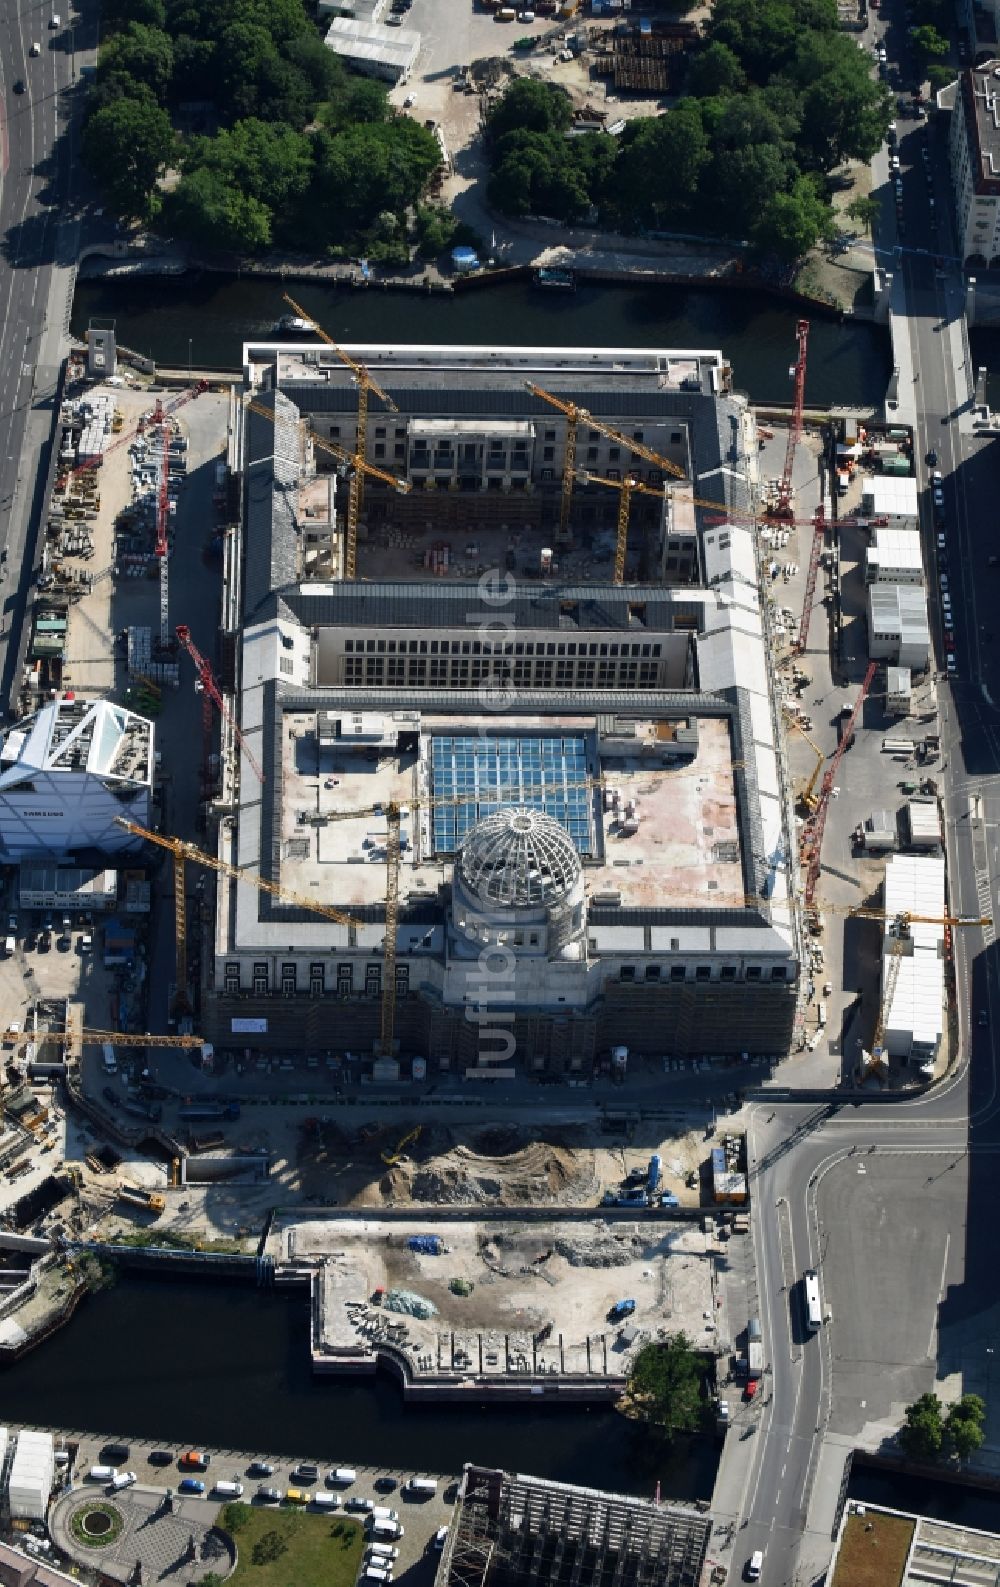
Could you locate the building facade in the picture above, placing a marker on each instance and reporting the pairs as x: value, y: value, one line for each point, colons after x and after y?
x: 974, y: 154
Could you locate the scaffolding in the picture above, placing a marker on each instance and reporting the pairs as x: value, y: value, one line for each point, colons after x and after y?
x: 515, y: 1531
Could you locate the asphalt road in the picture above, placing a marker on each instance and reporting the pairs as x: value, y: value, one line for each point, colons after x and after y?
x: 892, y: 1205
x: 38, y: 238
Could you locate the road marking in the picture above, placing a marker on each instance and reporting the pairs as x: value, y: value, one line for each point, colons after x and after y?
x: 862, y: 1169
x: 944, y: 1269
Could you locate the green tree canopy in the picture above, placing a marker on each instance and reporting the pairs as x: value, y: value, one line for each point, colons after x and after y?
x: 364, y: 170
x: 116, y: 13
x: 664, y: 1389
x: 927, y: 45
x: 715, y: 70
x: 865, y: 209
x: 127, y: 146
x: 922, y: 1435
x: 141, y: 52
x: 963, y: 1428
x: 206, y: 208
x: 660, y: 166
x: 793, y: 222
x: 529, y: 105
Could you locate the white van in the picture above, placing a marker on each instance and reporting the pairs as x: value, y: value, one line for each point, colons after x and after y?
x: 383, y: 1551
x: 386, y: 1531
x: 421, y: 1487
x: 110, y: 1061
x: 755, y: 1564
x: 229, y: 1490
x: 102, y: 1473
x: 326, y: 1501
x: 377, y: 1573
x: 382, y: 1512
x: 343, y: 1476
x: 8, y: 947
x: 123, y: 1479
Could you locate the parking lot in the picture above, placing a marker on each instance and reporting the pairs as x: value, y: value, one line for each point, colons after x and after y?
x: 355, y: 1492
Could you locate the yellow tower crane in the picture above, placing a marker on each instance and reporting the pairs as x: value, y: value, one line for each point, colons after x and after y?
x: 626, y: 488
x: 359, y: 465
x: 574, y: 417
x: 96, y: 1038
x: 366, y: 383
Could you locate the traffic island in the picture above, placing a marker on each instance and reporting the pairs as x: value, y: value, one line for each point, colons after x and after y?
x: 96, y: 1525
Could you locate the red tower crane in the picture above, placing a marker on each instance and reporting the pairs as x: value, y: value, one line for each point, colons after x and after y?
x: 812, y: 832
x: 156, y: 418
x: 211, y: 691
x: 819, y: 534
x: 783, y: 509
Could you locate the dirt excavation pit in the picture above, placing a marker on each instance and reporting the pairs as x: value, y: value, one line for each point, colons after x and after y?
x: 562, y: 1274
x: 502, y: 1165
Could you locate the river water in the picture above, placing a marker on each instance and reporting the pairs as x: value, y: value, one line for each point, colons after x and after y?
x: 189, y: 1363
x: 204, y: 319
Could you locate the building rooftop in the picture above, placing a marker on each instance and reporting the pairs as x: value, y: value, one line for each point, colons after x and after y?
x: 890, y: 496
x: 363, y: 40
x: 74, y: 735
x: 981, y: 98
x: 685, y: 852
x: 896, y: 548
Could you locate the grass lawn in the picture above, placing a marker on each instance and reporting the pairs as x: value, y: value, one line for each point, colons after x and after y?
x: 873, y: 1551
x: 294, y: 1548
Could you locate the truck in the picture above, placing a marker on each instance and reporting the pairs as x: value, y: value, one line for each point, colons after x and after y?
x: 655, y: 1169
x: 626, y: 1198
x: 755, y: 1359
x: 148, y: 1200
x: 192, y: 1112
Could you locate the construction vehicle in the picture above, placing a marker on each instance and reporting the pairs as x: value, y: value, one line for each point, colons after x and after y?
x: 147, y: 1200
x: 366, y: 383
x: 574, y: 415
x: 390, y: 1159
x: 807, y: 794
x: 782, y: 510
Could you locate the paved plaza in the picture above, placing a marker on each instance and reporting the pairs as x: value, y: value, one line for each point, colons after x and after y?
x: 176, y: 1545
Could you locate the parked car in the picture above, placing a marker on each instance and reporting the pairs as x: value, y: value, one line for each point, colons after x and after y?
x: 385, y: 1485
x: 305, y: 1471
x: 267, y: 1495
x: 112, y: 1097
x: 190, y: 1485
x: 260, y: 1468
x: 160, y: 1457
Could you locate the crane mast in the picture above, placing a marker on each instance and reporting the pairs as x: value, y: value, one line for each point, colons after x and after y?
x: 783, y: 508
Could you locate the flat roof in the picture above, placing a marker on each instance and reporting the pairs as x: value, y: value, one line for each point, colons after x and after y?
x: 361, y: 40
x: 896, y: 548
x: 981, y: 98
x: 914, y: 885
x: 891, y: 496
x: 686, y: 851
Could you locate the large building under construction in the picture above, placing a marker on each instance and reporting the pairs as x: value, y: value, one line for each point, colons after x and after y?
x: 578, y: 782
x: 515, y: 1531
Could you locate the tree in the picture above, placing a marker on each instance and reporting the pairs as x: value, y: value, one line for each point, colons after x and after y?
x: 116, y: 13
x: 793, y: 222
x: 269, y: 162
x: 127, y: 146
x: 206, y: 208
x: 865, y: 210
x: 845, y: 112
x: 660, y: 166
x: 364, y: 170
x: 922, y: 1435
x: 927, y: 45
x: 235, y: 1517
x: 529, y: 105
x: 715, y: 70
x: 963, y: 1429
x: 745, y: 182
x: 142, y: 52
x: 664, y: 1389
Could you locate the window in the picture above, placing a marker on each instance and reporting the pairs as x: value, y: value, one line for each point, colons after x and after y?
x: 548, y: 453
x: 232, y: 978
x: 373, y: 980
x: 402, y: 979
x: 380, y: 448
x: 550, y: 435
x: 728, y: 972
x: 777, y: 972
x: 592, y: 454
x: 678, y: 972
x: 380, y: 431
x: 316, y: 979
x: 286, y: 665
x: 260, y: 979
x: 288, y: 979
x: 652, y: 972
x: 345, y: 980
x: 753, y: 972
x: 703, y: 972
x: 627, y: 972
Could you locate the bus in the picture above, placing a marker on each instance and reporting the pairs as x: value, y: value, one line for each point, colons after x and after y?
x: 814, y: 1315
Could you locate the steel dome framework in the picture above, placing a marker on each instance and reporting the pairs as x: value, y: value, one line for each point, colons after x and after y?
x: 519, y: 858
